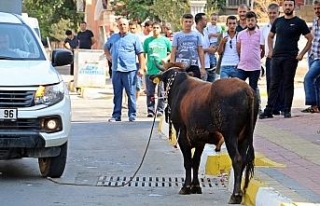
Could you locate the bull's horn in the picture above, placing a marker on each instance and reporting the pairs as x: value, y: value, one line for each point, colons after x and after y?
x: 159, y: 66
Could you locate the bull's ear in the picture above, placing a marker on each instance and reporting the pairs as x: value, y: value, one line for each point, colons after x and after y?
x: 156, y: 78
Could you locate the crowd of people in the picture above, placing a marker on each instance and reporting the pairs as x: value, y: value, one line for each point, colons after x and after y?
x: 208, y: 51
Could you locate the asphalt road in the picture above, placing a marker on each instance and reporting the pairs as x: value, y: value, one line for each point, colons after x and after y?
x: 101, y: 154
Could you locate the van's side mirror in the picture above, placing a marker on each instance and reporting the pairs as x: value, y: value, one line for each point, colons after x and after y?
x: 61, y: 57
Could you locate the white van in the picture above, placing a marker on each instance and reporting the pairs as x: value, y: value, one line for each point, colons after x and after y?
x: 33, y: 23
x: 35, y: 108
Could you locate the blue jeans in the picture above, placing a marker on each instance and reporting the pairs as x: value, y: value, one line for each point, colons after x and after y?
x: 151, y: 88
x: 126, y: 80
x: 228, y: 71
x: 211, y: 75
x: 312, y: 83
x: 213, y: 58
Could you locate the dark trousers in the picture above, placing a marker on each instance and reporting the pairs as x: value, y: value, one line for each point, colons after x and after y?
x: 278, y: 106
x: 72, y: 65
x: 110, y: 69
x: 283, y: 69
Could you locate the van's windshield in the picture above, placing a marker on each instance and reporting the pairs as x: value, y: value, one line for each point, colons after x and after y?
x: 17, y: 42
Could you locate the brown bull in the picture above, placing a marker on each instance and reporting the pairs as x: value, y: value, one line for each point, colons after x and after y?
x: 203, y: 113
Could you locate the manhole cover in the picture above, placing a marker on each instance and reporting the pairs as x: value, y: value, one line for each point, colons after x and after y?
x: 157, y: 181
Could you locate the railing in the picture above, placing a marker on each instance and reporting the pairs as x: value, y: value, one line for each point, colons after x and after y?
x: 236, y: 3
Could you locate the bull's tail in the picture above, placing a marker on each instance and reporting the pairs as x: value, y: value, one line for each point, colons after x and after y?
x: 250, y: 156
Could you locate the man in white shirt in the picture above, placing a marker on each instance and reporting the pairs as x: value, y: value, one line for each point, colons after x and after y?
x: 201, y: 22
x: 273, y: 13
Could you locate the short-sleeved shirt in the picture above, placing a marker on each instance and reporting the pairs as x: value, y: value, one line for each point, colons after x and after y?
x: 74, y: 43
x: 187, y: 47
x: 156, y: 49
x: 205, y: 45
x: 85, y: 41
x: 213, y: 29
x: 288, y: 32
x: 250, y: 50
x: 315, y: 48
x: 265, y: 33
x: 239, y: 28
x: 124, y: 51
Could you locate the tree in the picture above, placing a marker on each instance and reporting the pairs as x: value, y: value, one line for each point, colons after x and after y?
x: 159, y: 10
x: 171, y: 11
x: 215, y: 6
x: 50, y: 12
x: 261, y: 7
x: 138, y: 10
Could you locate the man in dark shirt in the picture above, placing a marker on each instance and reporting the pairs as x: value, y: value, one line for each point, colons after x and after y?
x: 285, y: 56
x: 71, y: 43
x: 85, y: 37
x: 242, y: 24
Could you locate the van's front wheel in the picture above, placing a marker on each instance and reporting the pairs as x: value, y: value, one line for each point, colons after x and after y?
x: 54, y: 166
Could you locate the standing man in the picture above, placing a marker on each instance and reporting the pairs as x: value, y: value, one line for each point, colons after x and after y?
x: 312, y: 78
x: 71, y: 43
x: 273, y: 13
x: 125, y: 47
x: 168, y: 31
x: 285, y: 56
x: 187, y: 48
x: 85, y: 36
x: 228, y: 49
x: 251, y: 51
x: 201, y: 23
x: 242, y: 10
x: 157, y: 48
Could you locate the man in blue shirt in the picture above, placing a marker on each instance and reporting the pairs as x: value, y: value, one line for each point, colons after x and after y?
x: 121, y: 49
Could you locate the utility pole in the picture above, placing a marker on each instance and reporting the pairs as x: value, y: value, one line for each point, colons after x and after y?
x: 11, y: 6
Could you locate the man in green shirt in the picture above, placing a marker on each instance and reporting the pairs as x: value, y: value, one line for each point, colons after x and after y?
x: 157, y: 48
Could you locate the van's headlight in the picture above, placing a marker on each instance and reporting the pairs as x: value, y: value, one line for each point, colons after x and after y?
x: 49, y: 95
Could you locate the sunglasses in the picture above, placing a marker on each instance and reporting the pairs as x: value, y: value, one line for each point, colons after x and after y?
x: 230, y: 44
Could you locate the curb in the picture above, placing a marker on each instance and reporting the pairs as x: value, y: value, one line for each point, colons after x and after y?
x: 258, y: 193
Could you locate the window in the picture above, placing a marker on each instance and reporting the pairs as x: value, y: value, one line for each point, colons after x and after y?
x: 308, y: 2
x: 236, y: 3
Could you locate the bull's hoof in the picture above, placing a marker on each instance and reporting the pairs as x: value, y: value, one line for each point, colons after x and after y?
x: 185, y: 191
x: 235, y: 199
x: 217, y: 149
x: 196, y: 189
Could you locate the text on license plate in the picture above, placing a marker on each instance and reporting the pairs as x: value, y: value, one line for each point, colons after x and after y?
x: 8, y: 113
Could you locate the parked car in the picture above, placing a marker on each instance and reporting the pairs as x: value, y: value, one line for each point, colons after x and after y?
x: 35, y: 108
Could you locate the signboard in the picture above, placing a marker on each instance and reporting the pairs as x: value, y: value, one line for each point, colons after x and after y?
x: 90, y: 68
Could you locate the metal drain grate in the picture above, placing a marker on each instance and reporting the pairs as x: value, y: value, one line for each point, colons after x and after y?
x: 155, y: 181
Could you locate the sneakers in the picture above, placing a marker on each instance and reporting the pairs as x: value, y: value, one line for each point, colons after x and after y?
x: 287, y: 114
x: 276, y: 112
x: 132, y: 120
x: 265, y: 114
x: 150, y: 114
x: 114, y: 120
x: 159, y: 114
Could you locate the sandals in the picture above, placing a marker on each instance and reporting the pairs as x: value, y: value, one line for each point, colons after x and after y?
x: 311, y: 110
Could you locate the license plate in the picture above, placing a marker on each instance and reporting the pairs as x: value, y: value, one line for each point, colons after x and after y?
x: 8, y: 113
